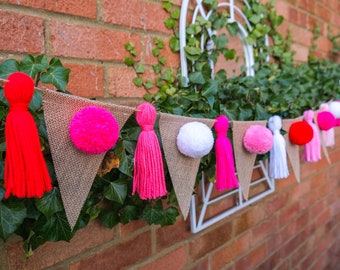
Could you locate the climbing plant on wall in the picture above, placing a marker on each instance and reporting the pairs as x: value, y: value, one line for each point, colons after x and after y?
x: 279, y: 87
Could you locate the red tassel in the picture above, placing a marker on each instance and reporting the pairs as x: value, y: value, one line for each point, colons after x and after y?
x: 148, y: 179
x: 26, y: 174
x: 225, y: 171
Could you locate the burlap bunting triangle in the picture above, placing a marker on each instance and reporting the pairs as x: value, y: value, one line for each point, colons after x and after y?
x: 292, y: 149
x: 74, y: 169
x: 182, y: 169
x: 244, y: 160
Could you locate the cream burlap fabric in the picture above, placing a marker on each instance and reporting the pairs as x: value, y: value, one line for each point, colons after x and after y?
x: 183, y: 170
x: 74, y: 169
x: 244, y: 160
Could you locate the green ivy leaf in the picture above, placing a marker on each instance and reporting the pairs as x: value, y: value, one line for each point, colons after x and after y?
x: 153, y: 214
x: 32, y: 66
x: 8, y: 67
x: 36, y: 101
x: 129, y: 61
x: 128, y: 213
x: 174, y: 44
x: 50, y: 203
x: 169, y: 216
x: 196, y: 77
x: 116, y: 191
x: 57, y: 76
x: 137, y: 81
x: 54, y: 228
x: 232, y: 28
x: 140, y: 69
x: 221, y: 41
x: 148, y: 84
x: 109, y: 218
x: 12, y: 214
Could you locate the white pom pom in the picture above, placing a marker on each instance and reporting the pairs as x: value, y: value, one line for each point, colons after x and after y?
x: 195, y: 139
x: 334, y: 108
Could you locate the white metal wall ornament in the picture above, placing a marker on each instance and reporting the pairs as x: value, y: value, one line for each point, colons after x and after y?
x: 200, y: 218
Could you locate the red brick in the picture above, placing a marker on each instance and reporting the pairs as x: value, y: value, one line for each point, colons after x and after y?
x: 135, y: 14
x: 254, y: 257
x: 45, y: 256
x: 300, y: 190
x: 121, y: 85
x: 86, y: 80
x: 264, y: 230
x: 279, y: 201
x: 84, y: 8
x: 21, y: 33
x: 207, y: 242
x: 288, y: 214
x: 132, y: 227
x: 248, y: 219
x: 323, y: 12
x: 118, y: 256
x: 78, y: 41
x: 201, y: 265
x: 231, y: 251
x: 170, y: 235
x: 176, y: 259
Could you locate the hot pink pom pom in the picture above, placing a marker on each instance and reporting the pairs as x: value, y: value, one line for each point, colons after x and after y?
x: 94, y: 130
x: 258, y: 139
x: 326, y: 120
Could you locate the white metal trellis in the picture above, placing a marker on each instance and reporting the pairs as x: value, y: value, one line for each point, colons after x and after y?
x: 198, y: 219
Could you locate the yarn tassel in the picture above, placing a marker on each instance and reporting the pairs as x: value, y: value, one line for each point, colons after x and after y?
x: 26, y: 174
x: 278, y: 167
x: 312, y: 150
x: 148, y: 179
x: 225, y: 170
x: 327, y: 135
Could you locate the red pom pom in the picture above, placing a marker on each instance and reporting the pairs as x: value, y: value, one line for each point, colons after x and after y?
x: 326, y: 120
x: 300, y: 133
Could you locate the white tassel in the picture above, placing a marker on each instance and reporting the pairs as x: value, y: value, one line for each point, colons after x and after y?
x: 278, y: 167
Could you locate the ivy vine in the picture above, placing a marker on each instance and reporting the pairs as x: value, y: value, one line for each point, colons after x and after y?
x: 278, y: 87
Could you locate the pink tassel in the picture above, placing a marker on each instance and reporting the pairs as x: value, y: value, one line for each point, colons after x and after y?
x: 148, y: 179
x: 312, y: 150
x: 225, y: 171
x: 327, y: 135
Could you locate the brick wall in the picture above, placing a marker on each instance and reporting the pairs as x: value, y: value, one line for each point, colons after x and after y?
x: 297, y: 227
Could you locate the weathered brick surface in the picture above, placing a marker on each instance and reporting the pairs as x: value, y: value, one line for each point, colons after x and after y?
x: 118, y: 256
x: 86, y: 80
x: 135, y: 14
x: 21, y: 33
x: 51, y: 253
x: 85, y: 8
x: 176, y: 259
x: 296, y: 227
x: 78, y: 41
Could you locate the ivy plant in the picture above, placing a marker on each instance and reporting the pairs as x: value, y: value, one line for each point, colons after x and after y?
x: 110, y: 200
x: 279, y: 87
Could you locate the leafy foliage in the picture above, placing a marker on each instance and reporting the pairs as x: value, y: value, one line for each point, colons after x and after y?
x: 278, y: 87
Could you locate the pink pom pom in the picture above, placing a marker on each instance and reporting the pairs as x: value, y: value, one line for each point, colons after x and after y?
x: 258, y: 139
x: 94, y: 130
x: 326, y: 120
